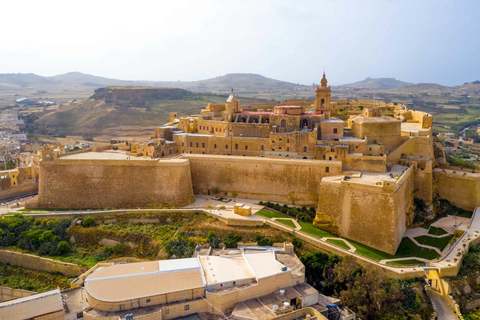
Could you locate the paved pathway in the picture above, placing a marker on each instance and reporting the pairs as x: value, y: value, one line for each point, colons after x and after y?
x: 444, y: 311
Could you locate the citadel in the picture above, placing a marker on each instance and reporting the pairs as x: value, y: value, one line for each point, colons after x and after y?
x: 360, y: 163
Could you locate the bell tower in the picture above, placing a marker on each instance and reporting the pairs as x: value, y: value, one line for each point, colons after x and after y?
x: 322, y: 101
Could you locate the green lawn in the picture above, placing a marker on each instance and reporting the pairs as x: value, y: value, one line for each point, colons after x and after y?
x: 465, y: 214
x: 271, y: 214
x: 288, y: 223
x: 406, y: 263
x: 439, y: 243
x: 314, y: 231
x: 408, y: 248
x: 339, y: 243
x: 436, y: 231
x: 371, y: 253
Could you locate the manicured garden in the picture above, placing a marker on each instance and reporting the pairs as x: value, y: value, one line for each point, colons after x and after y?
x: 287, y: 222
x: 339, y: 243
x: 439, y: 243
x: 406, y: 263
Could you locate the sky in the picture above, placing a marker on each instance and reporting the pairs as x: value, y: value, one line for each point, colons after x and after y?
x: 434, y: 41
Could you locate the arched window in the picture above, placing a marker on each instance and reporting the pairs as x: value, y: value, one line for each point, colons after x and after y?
x: 283, y: 123
x: 322, y: 102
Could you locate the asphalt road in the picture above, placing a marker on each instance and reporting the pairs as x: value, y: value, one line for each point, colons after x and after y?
x: 444, y: 311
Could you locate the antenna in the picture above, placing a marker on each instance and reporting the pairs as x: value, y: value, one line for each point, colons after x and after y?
x: 232, y: 90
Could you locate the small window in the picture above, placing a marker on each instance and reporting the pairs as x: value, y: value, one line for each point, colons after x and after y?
x: 261, y: 148
x: 236, y: 146
x: 305, y: 149
x: 246, y: 147
x: 288, y: 149
x: 226, y: 146
x: 187, y: 307
x: 288, y: 140
x: 327, y: 169
x: 335, y: 130
x: 170, y: 151
x: 196, y: 144
x: 214, y: 146
x: 148, y: 301
x: 191, y: 145
x: 167, y: 311
x: 203, y: 144
x: 370, y: 149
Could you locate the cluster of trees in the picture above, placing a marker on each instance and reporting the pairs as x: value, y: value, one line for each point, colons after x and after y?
x: 367, y: 291
x: 45, y: 237
x: 301, y: 214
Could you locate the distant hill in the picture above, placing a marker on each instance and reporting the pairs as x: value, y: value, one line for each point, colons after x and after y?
x: 23, y: 80
x: 426, y: 86
x: 122, y: 111
x: 93, y: 81
x: 377, y: 84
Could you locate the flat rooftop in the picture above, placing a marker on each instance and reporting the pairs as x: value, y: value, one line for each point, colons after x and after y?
x: 104, y: 155
x: 371, y: 178
x: 144, y: 279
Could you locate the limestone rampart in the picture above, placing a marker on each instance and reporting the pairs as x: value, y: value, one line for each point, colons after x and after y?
x: 280, y: 180
x: 82, y: 183
x: 29, y: 261
x: 375, y: 215
x: 20, y: 190
x: 462, y: 189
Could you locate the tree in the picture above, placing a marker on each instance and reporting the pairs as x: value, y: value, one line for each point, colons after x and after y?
x: 213, y: 239
x: 178, y: 247
x: 234, y: 195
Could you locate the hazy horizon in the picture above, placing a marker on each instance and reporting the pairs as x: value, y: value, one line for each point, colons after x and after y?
x: 431, y: 41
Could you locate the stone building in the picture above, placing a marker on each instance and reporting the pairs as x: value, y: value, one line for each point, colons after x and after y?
x: 361, y: 169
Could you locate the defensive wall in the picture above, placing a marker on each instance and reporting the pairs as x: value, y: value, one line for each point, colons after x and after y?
x: 280, y: 180
x: 375, y: 215
x: 20, y: 190
x: 461, y: 188
x: 94, y: 183
x: 29, y: 261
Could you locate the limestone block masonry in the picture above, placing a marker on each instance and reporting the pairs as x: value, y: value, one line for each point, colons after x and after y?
x: 282, y: 180
x: 74, y: 183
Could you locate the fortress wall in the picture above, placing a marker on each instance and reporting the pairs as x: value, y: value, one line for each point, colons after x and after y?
x: 372, y: 215
x: 73, y: 183
x: 365, y: 163
x: 461, y: 190
x: 22, y: 189
x: 278, y: 180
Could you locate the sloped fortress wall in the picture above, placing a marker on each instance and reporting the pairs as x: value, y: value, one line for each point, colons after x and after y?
x: 281, y: 180
x: 93, y: 183
x: 373, y: 215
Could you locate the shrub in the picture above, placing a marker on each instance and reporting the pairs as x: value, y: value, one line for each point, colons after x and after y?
x: 231, y: 241
x: 119, y: 248
x: 263, y: 241
x: 63, y: 247
x: 48, y: 248
x: 88, y: 222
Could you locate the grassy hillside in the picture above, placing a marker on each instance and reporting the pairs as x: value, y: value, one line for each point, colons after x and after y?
x: 121, y: 111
